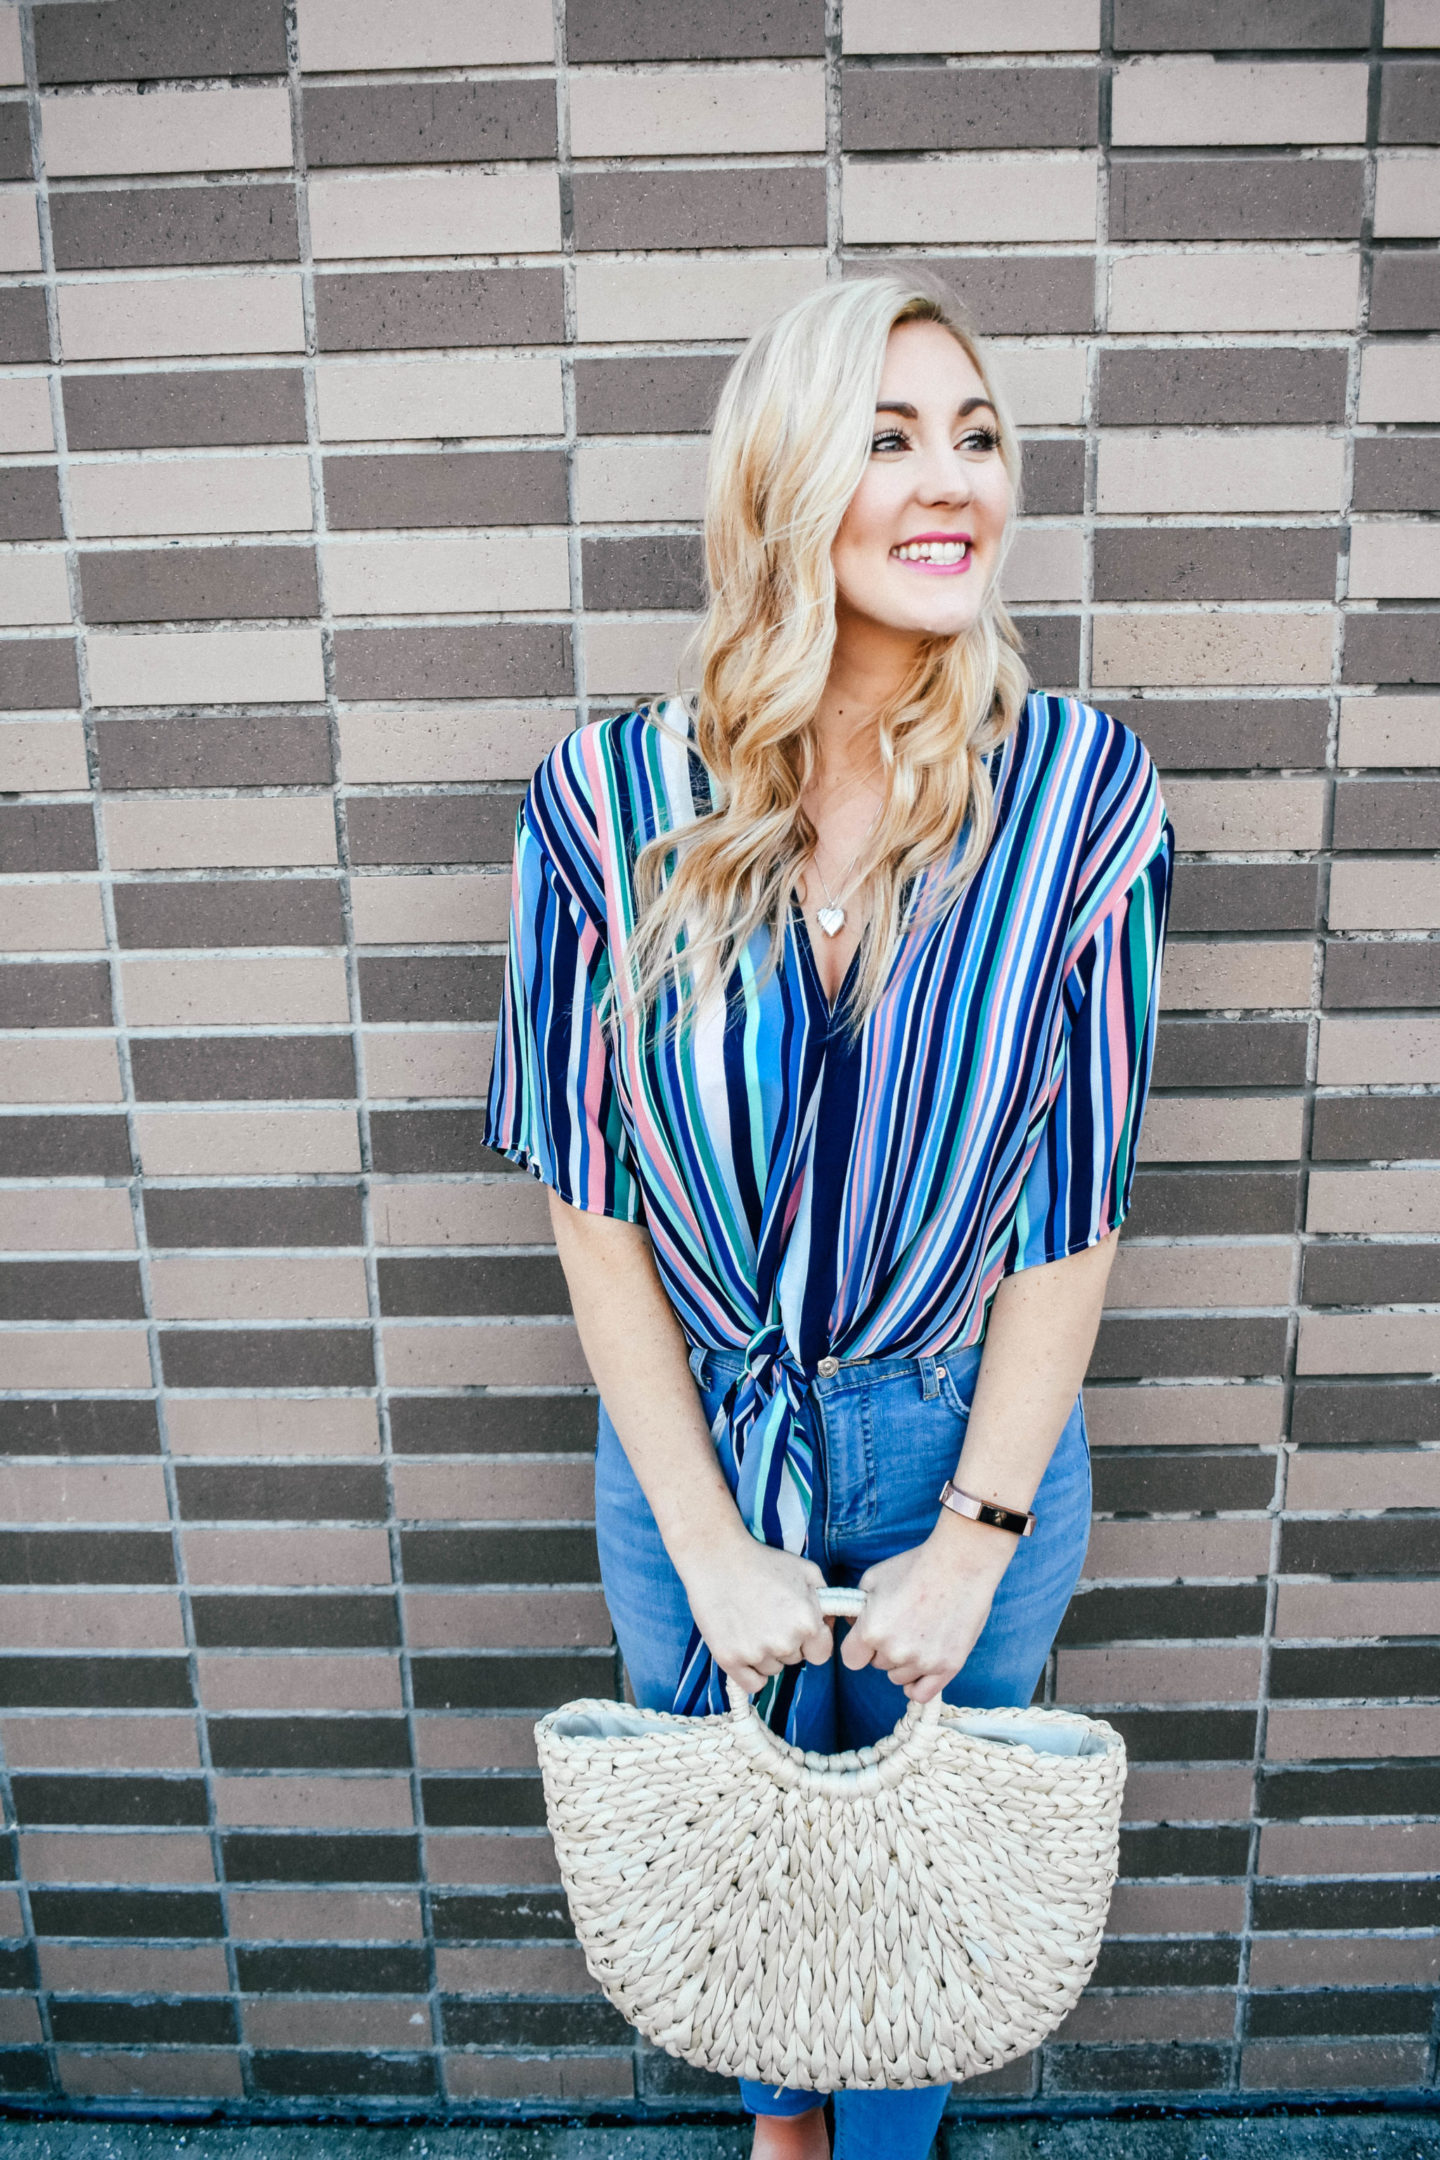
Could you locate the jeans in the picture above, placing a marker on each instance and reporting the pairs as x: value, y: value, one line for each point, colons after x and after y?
x: 889, y: 1431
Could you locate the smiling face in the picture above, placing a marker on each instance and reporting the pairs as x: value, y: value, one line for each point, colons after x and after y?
x: 920, y: 540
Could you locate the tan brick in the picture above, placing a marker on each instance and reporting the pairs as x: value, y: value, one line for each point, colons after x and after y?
x: 459, y: 1491
x: 315, y: 1803
x: 1043, y: 384
x: 1384, y: 730
x: 1394, y: 562
x: 220, y: 991
x: 971, y: 198
x: 1372, y: 1202
x: 505, y: 1969
x: 121, y: 130
x: 1180, y: 1416
x: 1213, y: 646
x: 25, y: 413
x: 1220, y: 471
x: 1257, y: 289
x: 409, y: 1063
x: 74, y: 1357
x: 19, y: 229
x: 1381, y: 894
x: 477, y: 1354
x: 1107, y: 2019
x: 274, y: 831
x: 1160, y: 1550
x: 696, y: 111
x: 346, y: 2021
x: 214, y: 494
x: 506, y: 1620
x: 1335, y: 1479
x: 1407, y: 195
x: 38, y: 756
x: 960, y: 26
x: 512, y: 210
x: 1344, y: 1961
x: 279, y: 1286
x: 83, y: 1492
x: 1230, y: 816
x: 1300, y: 2065
x: 508, y: 1212
x: 464, y: 742
x: 471, y: 1743
x: 91, y: 1620
x: 51, y: 918
x: 101, y: 1743
x: 1368, y: 1342
x: 205, y: 667
x: 465, y: 1856
x: 246, y: 1143
x: 459, y: 908
x: 1260, y: 972
x: 1189, y: 1794
x: 1046, y: 563
x: 292, y: 1683
x: 115, y: 1968
x: 94, y: 1857
x: 470, y: 394
x: 1206, y: 101
x: 1339, y: 1732
x: 1257, y: 1128
x: 1329, y: 1610
x: 640, y: 656
x: 1350, y: 1849
x: 325, y: 1916
x: 288, y: 1559
x: 12, y: 59
x: 1139, y: 1908
x: 1174, y: 1674
x: 1199, y: 1276
x: 539, y: 2077
x: 689, y: 296
x: 1399, y: 381
x: 59, y: 1069
x: 19, y: 2019
x: 33, y: 586
x: 155, y: 317
x: 340, y: 34
x: 66, y: 1218
x: 647, y: 483
x: 462, y: 574
x: 272, y: 1425
x: 1354, y: 1052
x: 180, y: 2072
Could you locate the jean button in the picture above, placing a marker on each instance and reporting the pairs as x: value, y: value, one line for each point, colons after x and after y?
x: 828, y: 1367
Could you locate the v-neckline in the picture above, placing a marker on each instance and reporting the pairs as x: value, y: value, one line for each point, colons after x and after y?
x: 807, y: 944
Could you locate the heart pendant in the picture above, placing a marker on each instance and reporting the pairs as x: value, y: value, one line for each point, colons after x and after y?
x: 831, y: 920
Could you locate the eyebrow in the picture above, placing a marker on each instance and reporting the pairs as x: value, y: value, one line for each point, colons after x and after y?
x: 909, y: 412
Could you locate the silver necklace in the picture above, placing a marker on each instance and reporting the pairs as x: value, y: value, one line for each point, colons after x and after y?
x: 831, y: 917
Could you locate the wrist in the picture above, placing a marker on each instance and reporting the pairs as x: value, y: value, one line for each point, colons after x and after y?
x: 975, y: 1548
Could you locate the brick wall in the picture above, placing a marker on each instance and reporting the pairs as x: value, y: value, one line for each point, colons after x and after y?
x: 345, y: 358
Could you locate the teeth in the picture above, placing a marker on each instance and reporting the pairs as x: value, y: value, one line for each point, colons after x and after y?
x: 933, y: 551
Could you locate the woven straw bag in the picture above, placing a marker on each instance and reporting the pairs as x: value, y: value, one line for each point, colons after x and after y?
x: 903, y: 1914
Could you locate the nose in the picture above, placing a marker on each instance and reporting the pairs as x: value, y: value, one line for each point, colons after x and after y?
x: 944, y: 476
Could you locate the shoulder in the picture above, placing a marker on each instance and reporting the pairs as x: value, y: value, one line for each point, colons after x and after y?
x: 622, y: 769
x: 1066, y: 734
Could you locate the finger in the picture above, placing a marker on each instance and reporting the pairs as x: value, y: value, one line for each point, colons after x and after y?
x: 855, y: 1651
x: 818, y: 1647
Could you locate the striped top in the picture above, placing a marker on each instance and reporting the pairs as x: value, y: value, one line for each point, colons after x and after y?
x: 809, y: 1192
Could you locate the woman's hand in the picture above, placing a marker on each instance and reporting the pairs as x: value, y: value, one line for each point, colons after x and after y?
x: 756, y: 1606
x: 924, y: 1609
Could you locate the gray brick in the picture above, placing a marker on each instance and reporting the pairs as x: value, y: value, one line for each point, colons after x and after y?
x: 662, y: 570
x: 1273, y: 25
x: 1367, y: 972
x: 1232, y: 198
x: 55, y: 994
x: 757, y: 206
x: 38, y: 674
x: 1053, y: 477
x: 243, y: 1068
x: 24, y: 327
x: 1052, y: 650
x: 1374, y: 814
x: 1405, y: 289
x: 969, y: 108
x: 428, y: 123
x: 1213, y: 562
x: 1004, y: 295
x: 1244, y: 896
x: 1399, y: 645
x: 181, y: 1218
x: 46, y: 836
x: 204, y: 406
x: 288, y: 750
x: 267, y: 1357
x: 432, y: 828
x: 1410, y: 101
x: 651, y: 394
x: 1188, y: 733
x: 1397, y: 472
x: 29, y: 503
x: 228, y: 911
x: 407, y: 310
x: 14, y: 139
x: 136, y: 228
x: 1178, y: 386
x: 694, y: 30
x: 496, y: 660
x: 136, y: 40
x: 209, y: 584
x: 446, y: 487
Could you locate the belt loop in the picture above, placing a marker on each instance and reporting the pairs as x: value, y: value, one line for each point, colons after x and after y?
x: 929, y: 1377
x: 697, y: 1363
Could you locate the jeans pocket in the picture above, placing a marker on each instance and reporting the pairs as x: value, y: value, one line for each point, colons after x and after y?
x: 958, y: 1391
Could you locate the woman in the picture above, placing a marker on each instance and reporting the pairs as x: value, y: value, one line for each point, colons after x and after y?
x: 828, y: 1023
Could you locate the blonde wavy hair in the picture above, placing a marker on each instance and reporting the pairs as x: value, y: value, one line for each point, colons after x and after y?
x: 791, y: 440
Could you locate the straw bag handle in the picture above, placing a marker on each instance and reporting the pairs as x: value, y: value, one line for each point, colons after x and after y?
x: 862, y: 1770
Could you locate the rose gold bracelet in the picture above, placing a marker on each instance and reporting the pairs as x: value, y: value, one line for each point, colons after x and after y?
x: 1019, y: 1523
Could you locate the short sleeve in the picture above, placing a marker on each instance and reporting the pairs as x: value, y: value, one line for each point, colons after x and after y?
x: 553, y: 1105
x: 1077, y: 1188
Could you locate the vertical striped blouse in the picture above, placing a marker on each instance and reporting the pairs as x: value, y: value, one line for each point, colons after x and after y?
x: 809, y: 1192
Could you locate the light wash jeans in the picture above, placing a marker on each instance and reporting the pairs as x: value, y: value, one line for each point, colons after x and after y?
x: 890, y: 1431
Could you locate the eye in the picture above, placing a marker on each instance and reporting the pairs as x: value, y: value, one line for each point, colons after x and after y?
x: 981, y: 439
x: 890, y: 439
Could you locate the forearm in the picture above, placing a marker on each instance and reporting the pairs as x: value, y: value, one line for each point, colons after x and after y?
x: 636, y: 1350
x: 1038, y: 1341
